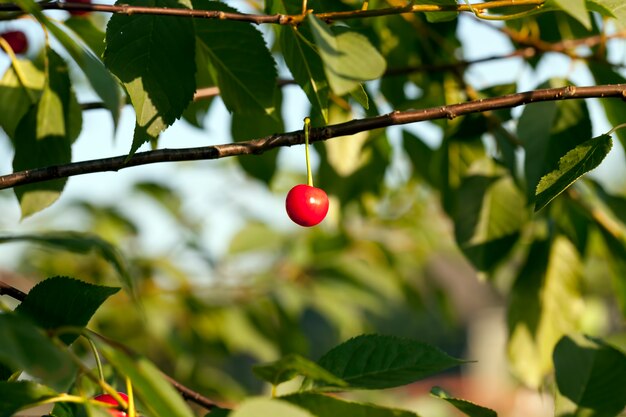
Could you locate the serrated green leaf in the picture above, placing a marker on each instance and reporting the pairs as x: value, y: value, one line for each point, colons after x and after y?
x: 324, y: 406
x: 306, y: 66
x: 154, y: 57
x: 545, y: 304
x: 577, y: 162
x: 575, y: 8
x: 349, y: 58
x: 15, y: 396
x: 592, y: 374
x: 293, y: 365
x: 467, y: 407
x: 488, y: 218
x: 63, y: 301
x: 24, y: 346
x: 377, y: 362
x: 17, y: 98
x: 79, y: 243
x: 156, y: 393
x: 267, y: 407
x: 245, y: 70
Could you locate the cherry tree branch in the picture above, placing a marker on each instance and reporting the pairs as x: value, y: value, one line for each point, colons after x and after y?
x: 265, y: 144
x: 281, y: 19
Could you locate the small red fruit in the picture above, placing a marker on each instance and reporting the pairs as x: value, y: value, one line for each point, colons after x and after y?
x: 108, y: 399
x: 79, y: 12
x: 306, y: 205
x: 17, y: 39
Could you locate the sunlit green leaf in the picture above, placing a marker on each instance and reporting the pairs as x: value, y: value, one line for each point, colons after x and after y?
x: 577, y: 162
x: 258, y: 407
x: 92, y: 35
x: 377, y: 362
x: 294, y: 365
x: 322, y: 405
x: 575, y: 8
x: 467, y: 407
x: 17, y: 98
x: 17, y: 395
x: 441, y: 16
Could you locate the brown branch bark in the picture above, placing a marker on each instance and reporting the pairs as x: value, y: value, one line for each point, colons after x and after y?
x: 281, y: 19
x: 261, y: 145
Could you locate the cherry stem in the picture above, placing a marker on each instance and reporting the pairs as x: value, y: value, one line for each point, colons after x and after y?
x: 307, y: 128
x: 131, y: 398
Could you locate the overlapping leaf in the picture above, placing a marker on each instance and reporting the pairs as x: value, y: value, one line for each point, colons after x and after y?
x: 19, y: 93
x: 321, y: 405
x: 18, y: 395
x: 293, y: 365
x: 467, y: 407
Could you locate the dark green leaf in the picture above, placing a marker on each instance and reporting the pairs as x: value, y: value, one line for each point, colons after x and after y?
x: 219, y: 412
x: 80, y: 243
x: 154, y: 57
x: 615, y: 109
x: 17, y: 395
x: 592, y: 374
x: 156, y: 393
x: 441, y: 16
x: 293, y: 365
x: 349, y: 58
x: 245, y: 70
x: 17, y: 98
x: 25, y: 347
x: 322, y: 405
x: 577, y: 162
x: 88, y: 32
x: 421, y: 155
x: 62, y: 301
x: 377, y: 362
x: 464, y: 406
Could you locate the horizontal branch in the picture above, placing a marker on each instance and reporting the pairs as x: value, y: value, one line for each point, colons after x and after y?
x: 259, y: 146
x: 281, y: 19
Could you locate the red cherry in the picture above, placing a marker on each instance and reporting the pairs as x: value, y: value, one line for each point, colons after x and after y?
x: 306, y: 205
x: 79, y: 12
x: 17, y: 39
x: 108, y: 399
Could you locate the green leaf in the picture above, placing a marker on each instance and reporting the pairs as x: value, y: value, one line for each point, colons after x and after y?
x: 421, y: 156
x: 349, y: 58
x: 17, y: 98
x: 266, y: 407
x: 488, y: 219
x: 467, y: 407
x: 154, y: 57
x: 545, y: 304
x: 63, y: 301
x: 377, y: 362
x: 245, y: 70
x: 79, y: 243
x: 158, y: 396
x: 592, y: 374
x: 322, y: 405
x: 25, y: 347
x: 440, y: 16
x: 575, y: 8
x: 306, y: 66
x: 548, y: 131
x: 577, y: 162
x: 293, y: 365
x: 616, y: 7
x: 615, y: 109
x: 31, y: 152
x: 17, y: 395
x: 92, y: 35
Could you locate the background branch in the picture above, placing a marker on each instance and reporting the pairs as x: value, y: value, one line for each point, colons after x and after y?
x: 259, y: 146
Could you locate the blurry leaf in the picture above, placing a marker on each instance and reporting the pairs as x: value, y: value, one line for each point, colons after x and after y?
x: 63, y: 302
x: 5, y: 372
x: 17, y: 395
x: 306, y: 66
x: 575, y: 8
x: 219, y: 412
x: 156, y: 393
x: 25, y: 347
x: 577, y: 162
x: 254, y: 237
x: 467, y: 407
x: 421, y: 156
x: 153, y: 56
x: 488, y: 219
x: 545, y: 305
x: 17, y: 98
x: 617, y: 9
x: 377, y: 362
x: 345, y: 156
x: 79, y: 243
x: 548, y: 131
x: 266, y: 407
x: 162, y: 194
x: 196, y: 111
x: 615, y: 109
x: 441, y: 16
x: 322, y: 405
x: 245, y: 69
x: 349, y: 58
x: 592, y: 374
x: 88, y: 32
x: 294, y: 365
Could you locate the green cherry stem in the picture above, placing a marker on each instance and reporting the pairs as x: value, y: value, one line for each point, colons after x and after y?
x: 307, y: 128
x: 96, y: 356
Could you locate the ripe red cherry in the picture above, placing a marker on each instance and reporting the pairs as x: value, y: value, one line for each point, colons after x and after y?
x: 108, y: 399
x: 79, y: 12
x: 306, y: 205
x: 17, y: 39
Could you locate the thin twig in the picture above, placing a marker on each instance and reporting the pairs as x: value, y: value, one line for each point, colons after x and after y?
x: 281, y: 19
x: 6, y: 289
x: 262, y: 145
